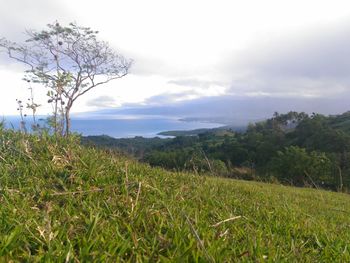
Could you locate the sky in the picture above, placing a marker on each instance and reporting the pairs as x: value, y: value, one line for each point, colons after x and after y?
x: 252, y: 56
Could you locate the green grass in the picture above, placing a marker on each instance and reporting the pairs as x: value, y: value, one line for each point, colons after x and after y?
x: 62, y: 202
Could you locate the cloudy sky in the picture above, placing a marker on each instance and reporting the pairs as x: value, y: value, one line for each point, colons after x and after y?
x: 267, y: 55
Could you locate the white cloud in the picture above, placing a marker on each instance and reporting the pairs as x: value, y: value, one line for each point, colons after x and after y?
x: 191, y: 40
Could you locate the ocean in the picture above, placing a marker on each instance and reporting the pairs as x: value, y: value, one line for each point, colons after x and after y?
x: 126, y: 127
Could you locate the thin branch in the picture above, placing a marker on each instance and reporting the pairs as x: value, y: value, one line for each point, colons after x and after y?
x: 98, y: 84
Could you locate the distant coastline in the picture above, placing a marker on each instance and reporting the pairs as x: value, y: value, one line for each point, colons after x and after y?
x: 126, y: 128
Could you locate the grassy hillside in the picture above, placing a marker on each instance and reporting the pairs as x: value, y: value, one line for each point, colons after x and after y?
x: 66, y: 203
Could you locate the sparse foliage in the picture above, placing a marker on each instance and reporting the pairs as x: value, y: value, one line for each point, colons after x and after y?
x: 69, y: 61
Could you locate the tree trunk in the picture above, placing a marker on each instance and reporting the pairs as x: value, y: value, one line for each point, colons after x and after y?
x: 67, y: 117
x: 55, y: 118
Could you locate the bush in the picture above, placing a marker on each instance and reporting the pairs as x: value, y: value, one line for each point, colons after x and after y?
x: 299, y: 167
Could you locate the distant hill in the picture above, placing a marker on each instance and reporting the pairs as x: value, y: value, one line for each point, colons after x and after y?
x: 238, y: 110
x: 221, y: 131
x: 341, y: 122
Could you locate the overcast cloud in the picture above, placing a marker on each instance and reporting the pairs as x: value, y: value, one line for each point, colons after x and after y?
x: 206, y: 52
x: 311, y: 64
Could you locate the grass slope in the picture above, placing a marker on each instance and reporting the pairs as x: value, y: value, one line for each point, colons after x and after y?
x: 62, y: 202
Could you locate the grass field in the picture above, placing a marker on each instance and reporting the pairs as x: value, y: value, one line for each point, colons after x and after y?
x: 62, y: 202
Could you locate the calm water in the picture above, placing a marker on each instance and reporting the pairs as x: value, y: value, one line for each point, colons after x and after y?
x: 122, y: 128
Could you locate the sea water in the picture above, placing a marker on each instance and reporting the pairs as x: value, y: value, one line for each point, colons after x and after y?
x: 124, y: 127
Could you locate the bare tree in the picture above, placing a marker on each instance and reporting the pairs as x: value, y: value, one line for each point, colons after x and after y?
x: 70, y: 61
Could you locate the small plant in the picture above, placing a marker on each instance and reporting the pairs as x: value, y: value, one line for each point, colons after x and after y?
x: 22, y: 124
x: 31, y: 105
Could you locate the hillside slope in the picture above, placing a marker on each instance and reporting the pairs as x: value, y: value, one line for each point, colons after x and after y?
x: 66, y: 203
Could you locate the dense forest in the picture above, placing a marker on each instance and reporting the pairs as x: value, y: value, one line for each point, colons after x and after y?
x: 294, y: 148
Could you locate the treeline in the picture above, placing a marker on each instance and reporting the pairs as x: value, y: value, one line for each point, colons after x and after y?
x: 293, y: 148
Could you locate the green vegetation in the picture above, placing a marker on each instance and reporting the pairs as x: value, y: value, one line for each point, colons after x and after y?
x: 219, y: 131
x: 184, y: 133
x: 63, y: 202
x: 293, y: 148
x: 136, y: 146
